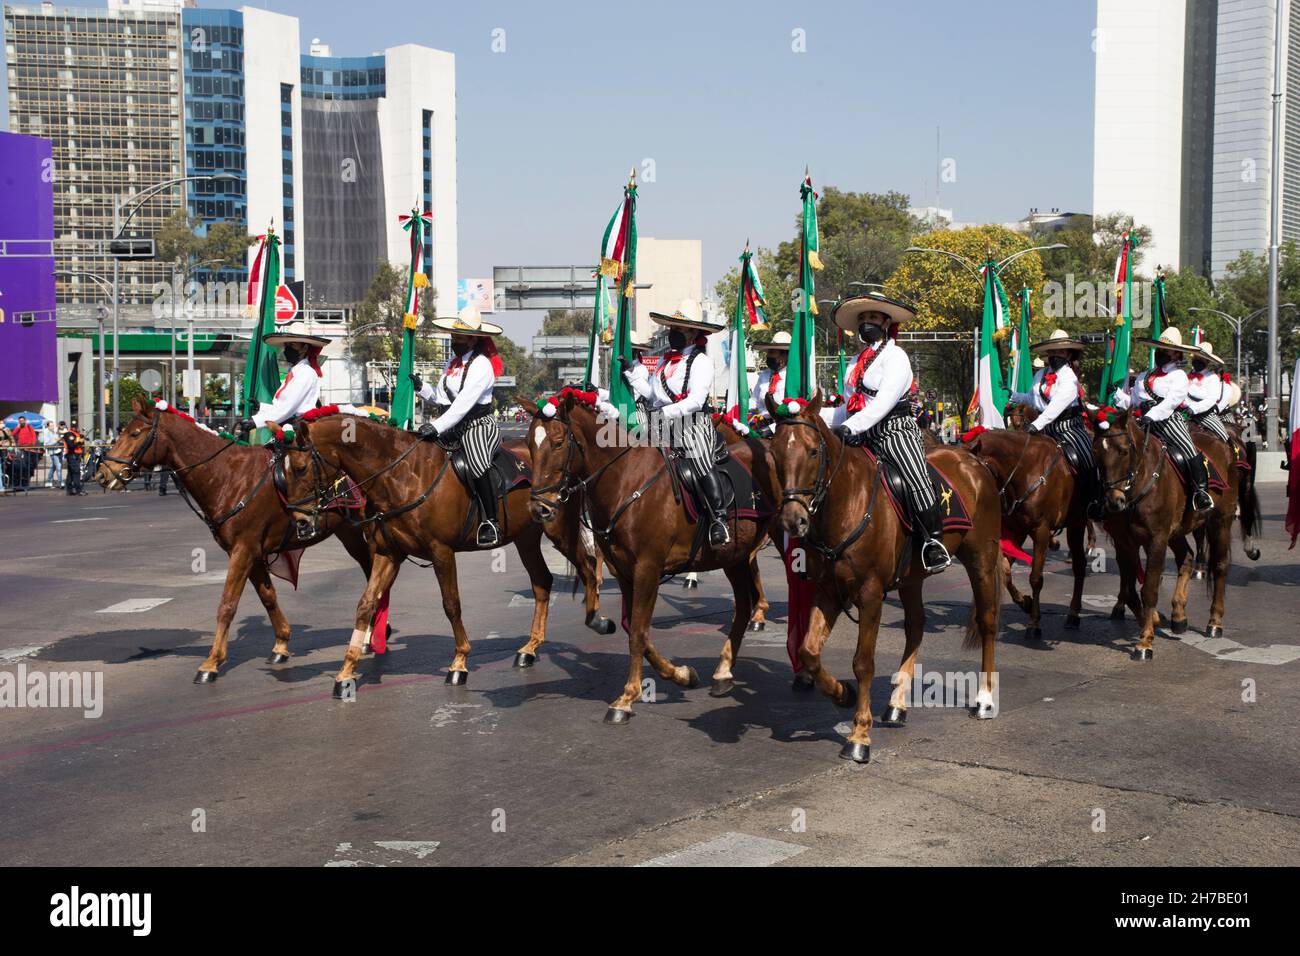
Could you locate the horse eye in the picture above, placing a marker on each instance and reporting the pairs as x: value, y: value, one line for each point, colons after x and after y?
x: 813, y: 453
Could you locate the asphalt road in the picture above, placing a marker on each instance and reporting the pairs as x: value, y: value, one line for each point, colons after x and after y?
x: 1094, y: 759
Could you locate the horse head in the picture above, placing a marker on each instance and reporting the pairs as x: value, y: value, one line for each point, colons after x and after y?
x: 1119, y: 445
x: 138, y: 446
x: 800, y: 449
x: 557, y: 437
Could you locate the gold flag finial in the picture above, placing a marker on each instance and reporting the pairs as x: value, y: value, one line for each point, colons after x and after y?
x: 631, y: 176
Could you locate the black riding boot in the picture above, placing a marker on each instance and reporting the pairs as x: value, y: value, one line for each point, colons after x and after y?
x: 1199, y: 479
x: 934, y: 556
x: 1096, y: 497
x: 709, y: 484
x: 489, y: 533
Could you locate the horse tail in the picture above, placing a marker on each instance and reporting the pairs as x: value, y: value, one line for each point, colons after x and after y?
x: 1248, y: 502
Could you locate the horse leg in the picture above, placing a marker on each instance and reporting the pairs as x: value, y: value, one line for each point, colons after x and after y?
x: 444, y: 566
x: 1184, y: 561
x: 356, y: 545
x: 759, y: 596
x: 1041, y: 538
x: 870, y: 600
x: 1151, y: 596
x: 237, y: 571
x: 639, y: 595
x: 1021, y: 601
x: 1074, y: 535
x: 895, y: 715
x: 1198, y: 566
x: 742, y: 587
x: 591, y: 563
x: 825, y: 609
x: 529, y: 546
x: 383, y: 572
x: 983, y: 570
x: 1220, y: 558
x: 261, y: 579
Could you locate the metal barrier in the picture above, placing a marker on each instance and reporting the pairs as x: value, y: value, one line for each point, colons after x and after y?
x: 28, y: 468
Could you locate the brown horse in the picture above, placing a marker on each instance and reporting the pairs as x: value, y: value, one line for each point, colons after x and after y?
x: 857, y: 551
x: 231, y: 487
x: 1040, y: 494
x: 1147, y: 506
x: 416, y: 507
x: 758, y: 622
x: 642, y: 532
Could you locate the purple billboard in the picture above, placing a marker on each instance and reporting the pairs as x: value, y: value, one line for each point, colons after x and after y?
x: 28, y: 346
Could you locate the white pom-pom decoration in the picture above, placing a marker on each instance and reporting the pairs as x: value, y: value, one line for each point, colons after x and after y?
x: 548, y: 410
x: 1103, y: 424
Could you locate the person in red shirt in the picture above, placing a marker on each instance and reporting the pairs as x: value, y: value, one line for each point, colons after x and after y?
x: 25, y: 463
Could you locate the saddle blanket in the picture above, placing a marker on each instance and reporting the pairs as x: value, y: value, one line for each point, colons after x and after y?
x: 748, y: 500
x: 1216, y: 482
x: 956, y: 512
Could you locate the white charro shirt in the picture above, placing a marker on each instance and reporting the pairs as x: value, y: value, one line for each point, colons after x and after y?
x: 890, y: 377
x: 1204, y: 391
x: 297, y: 394
x: 1168, y: 384
x: 1052, y: 399
x: 694, y: 395
x: 764, y: 387
x: 460, y: 387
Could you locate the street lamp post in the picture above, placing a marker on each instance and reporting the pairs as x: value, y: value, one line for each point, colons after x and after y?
x: 99, y: 376
x: 1237, y: 325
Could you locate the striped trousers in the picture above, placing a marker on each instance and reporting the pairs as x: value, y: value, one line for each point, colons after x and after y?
x: 699, y: 438
x: 480, y: 438
x: 897, y: 440
x: 1173, y: 431
x: 1070, y: 431
x: 1211, y: 422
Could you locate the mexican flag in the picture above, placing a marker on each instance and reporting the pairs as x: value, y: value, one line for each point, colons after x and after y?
x: 618, y: 263
x: 801, y: 370
x: 262, y: 369
x: 403, y: 411
x: 1293, y: 475
x: 749, y: 314
x: 993, y: 394
x: 1022, y: 362
x: 602, y: 312
x: 1158, y: 314
x: 1114, y: 373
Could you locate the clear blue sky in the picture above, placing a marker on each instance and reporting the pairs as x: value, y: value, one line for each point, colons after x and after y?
x: 712, y: 92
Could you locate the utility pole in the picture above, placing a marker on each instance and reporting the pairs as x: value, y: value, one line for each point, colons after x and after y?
x: 1273, y: 396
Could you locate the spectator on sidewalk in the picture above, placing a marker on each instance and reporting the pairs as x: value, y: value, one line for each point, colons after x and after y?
x: 74, y: 450
x: 25, y: 462
x: 51, y: 438
x: 6, y: 459
x: 162, y: 479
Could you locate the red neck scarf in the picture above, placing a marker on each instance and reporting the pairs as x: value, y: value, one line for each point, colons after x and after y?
x: 776, y: 379
x: 488, y: 348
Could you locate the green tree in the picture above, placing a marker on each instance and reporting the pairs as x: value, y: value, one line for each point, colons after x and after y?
x: 179, y: 242
x: 376, y: 325
x: 1244, y: 290
x: 566, y: 322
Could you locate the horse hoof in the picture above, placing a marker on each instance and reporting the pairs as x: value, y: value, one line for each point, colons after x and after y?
x: 1117, y: 613
x: 801, y: 684
x: 893, y: 717
x: 1178, y: 627
x: 205, y: 677
x: 277, y: 658
x: 457, y: 678
x: 524, y: 659
x: 1214, y: 630
x: 850, y: 696
x: 346, y: 689
x: 616, y: 716
x: 1071, y: 622
x: 721, y: 688
x: 1252, y: 553
x: 858, y: 753
x: 1035, y: 632
x: 692, y: 678
x: 1143, y: 654
x: 690, y: 584
x: 983, y: 711
x: 602, y: 625
x: 758, y: 626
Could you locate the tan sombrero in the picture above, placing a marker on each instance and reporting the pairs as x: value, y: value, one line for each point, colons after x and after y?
x: 1208, y: 348
x: 1058, y: 341
x: 1171, y: 340
x: 295, y: 332
x: 778, y: 343
x: 468, y: 322
x: 687, y: 316
x: 848, y: 313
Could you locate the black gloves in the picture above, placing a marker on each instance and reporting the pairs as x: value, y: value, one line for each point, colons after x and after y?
x: 427, y: 431
x: 847, y: 436
x: 243, y: 427
x: 416, y: 381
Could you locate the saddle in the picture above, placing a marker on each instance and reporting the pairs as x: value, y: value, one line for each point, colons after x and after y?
x: 957, y: 514
x: 1179, y: 461
x: 1071, y: 455
x: 509, y: 470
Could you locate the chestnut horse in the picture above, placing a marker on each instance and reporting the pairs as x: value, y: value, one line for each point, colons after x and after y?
x: 1147, y: 506
x: 1040, y: 494
x: 758, y: 622
x: 831, y: 497
x: 231, y: 488
x: 642, y: 531
x: 417, y: 507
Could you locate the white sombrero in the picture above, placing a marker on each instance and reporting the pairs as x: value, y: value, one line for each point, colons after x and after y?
x: 848, y: 314
x: 687, y: 316
x: 1208, y: 349
x: 1058, y: 341
x: 468, y: 322
x: 1171, y: 340
x: 779, y: 342
x: 295, y: 332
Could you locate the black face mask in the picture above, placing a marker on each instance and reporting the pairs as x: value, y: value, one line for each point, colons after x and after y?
x: 775, y: 362
x: 1056, y: 362
x: 292, y: 355
x: 870, y: 333
x: 1198, y: 366
x: 460, y: 348
x: 676, y: 339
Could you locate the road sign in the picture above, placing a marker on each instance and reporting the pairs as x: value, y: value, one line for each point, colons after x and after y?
x: 506, y: 381
x: 131, y: 248
x: 286, y: 305
x: 151, y: 380
x: 192, y: 383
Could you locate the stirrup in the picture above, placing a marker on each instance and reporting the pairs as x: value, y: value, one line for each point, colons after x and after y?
x: 495, y: 535
x: 719, y: 523
x: 1201, y: 500
x: 934, y: 567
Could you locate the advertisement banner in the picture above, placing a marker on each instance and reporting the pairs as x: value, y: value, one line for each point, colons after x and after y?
x: 478, y: 291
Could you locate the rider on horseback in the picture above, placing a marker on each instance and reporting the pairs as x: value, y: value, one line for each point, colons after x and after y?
x: 301, y: 387
x: 1206, y: 392
x: 771, y: 380
x: 880, y: 411
x: 681, y: 391
x: 464, y: 399
x: 1158, y: 394
x: 1057, y: 396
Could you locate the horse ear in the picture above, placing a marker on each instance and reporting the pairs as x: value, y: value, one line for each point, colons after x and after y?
x: 300, y: 430
x: 815, y: 406
x: 769, y: 404
x: 140, y: 406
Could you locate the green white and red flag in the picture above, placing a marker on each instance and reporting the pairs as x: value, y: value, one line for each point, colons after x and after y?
x: 801, y: 370
x: 989, y: 387
x: 262, y: 368
x: 618, y: 263
x: 416, y: 225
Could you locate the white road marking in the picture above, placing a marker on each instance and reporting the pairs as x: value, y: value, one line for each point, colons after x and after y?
x: 104, y: 507
x: 18, y: 653
x: 518, y: 600
x: 75, y: 520
x: 730, y: 849
x: 1227, y: 650
x: 419, y: 848
x: 133, y: 605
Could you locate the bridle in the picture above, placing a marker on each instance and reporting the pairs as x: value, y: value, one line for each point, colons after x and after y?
x: 569, y: 484
x: 133, y: 463
x: 1130, y: 500
x: 811, y: 497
